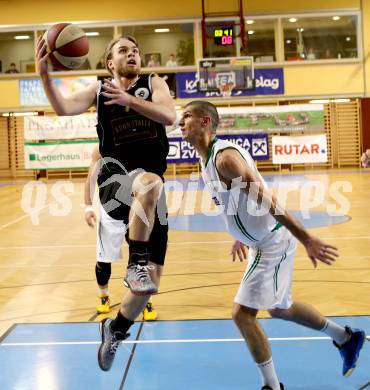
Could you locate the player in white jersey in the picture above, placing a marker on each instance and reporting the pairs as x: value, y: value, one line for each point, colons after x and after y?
x: 255, y: 218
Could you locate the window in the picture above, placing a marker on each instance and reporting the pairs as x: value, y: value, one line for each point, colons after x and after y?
x: 17, y: 52
x: 164, y: 44
x: 320, y: 38
x: 260, y: 39
x: 98, y: 41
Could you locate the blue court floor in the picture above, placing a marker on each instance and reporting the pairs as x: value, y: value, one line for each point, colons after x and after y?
x: 174, y: 355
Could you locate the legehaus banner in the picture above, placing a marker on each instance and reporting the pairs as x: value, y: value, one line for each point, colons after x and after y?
x: 256, y: 144
x: 38, y: 128
x: 268, y: 82
x: 58, y: 155
x: 304, y: 149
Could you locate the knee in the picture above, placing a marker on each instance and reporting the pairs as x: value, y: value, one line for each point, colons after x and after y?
x: 150, y: 187
x: 243, y: 316
x: 279, y: 313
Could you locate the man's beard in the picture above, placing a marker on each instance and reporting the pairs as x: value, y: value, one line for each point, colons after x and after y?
x: 128, y: 73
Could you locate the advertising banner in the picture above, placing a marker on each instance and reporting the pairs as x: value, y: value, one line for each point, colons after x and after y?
x: 301, y: 149
x: 256, y: 144
x: 272, y: 119
x: 39, y: 128
x: 268, y: 82
x: 58, y: 155
x: 31, y: 91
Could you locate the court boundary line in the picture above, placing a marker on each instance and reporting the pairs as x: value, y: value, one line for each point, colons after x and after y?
x: 170, y: 243
x: 13, y: 326
x: 172, y: 341
x: 131, y: 357
x: 27, y: 215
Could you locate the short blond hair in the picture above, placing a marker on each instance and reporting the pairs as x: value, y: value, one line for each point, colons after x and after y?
x: 109, y: 49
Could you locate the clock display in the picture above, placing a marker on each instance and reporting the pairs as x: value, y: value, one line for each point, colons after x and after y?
x: 223, y: 36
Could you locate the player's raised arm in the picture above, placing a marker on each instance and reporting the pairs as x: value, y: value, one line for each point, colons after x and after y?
x: 231, y: 165
x: 74, y: 104
x: 161, y: 109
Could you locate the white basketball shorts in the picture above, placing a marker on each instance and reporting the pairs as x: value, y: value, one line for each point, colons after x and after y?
x: 110, y: 235
x: 267, y: 281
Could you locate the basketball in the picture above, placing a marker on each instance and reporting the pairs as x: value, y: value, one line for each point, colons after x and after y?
x: 68, y: 46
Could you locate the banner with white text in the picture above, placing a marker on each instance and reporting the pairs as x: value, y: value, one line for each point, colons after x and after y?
x: 256, y: 144
x: 301, y: 149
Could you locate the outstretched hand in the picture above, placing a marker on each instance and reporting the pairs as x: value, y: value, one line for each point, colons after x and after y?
x: 115, y: 94
x: 318, y: 250
x: 239, y: 249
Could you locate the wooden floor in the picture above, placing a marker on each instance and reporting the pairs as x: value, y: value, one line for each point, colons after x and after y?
x: 47, y: 269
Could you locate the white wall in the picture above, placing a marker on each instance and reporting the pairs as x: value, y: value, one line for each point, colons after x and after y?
x: 16, y: 51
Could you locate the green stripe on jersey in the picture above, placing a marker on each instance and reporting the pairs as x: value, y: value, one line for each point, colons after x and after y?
x: 242, y: 228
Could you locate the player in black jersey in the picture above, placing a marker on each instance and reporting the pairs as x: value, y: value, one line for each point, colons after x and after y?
x: 132, y: 112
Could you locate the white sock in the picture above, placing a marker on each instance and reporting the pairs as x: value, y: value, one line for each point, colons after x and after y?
x: 268, y: 374
x: 336, y: 332
x: 103, y: 292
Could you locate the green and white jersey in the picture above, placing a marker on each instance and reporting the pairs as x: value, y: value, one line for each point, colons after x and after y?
x: 245, y: 220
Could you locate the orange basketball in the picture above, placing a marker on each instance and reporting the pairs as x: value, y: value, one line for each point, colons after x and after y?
x: 67, y: 44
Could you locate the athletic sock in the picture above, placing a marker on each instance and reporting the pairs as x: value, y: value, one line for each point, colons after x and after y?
x: 336, y: 332
x: 103, y: 292
x: 121, y: 323
x: 268, y: 374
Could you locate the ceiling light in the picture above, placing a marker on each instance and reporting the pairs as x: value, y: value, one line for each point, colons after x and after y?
x: 161, y: 30
x: 336, y: 17
x: 348, y: 39
x: 292, y: 20
x: 22, y: 37
x: 300, y: 29
x: 250, y: 21
x: 92, y: 34
x: 288, y: 41
x: 250, y: 32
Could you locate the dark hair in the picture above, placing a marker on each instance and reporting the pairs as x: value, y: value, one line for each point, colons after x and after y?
x: 108, y: 51
x: 204, y: 108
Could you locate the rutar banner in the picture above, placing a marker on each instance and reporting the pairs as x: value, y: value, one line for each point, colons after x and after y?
x: 295, y: 150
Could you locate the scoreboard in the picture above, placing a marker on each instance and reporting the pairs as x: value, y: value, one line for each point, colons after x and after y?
x: 224, y: 36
